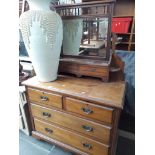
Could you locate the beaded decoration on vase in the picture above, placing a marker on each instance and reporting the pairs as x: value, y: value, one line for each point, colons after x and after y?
x: 48, y: 22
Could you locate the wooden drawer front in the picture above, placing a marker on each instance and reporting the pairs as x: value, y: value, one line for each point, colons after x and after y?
x: 100, y: 113
x: 70, y: 138
x: 71, y: 68
x: 45, y: 98
x: 94, y: 71
x: 69, y: 121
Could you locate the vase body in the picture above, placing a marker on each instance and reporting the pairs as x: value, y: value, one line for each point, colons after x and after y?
x: 42, y: 34
x: 72, y: 35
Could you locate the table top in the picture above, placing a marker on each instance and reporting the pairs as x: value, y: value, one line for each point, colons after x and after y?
x: 88, y: 89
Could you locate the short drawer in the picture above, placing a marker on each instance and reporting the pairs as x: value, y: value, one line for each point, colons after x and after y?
x: 84, y: 126
x: 71, y: 138
x: 89, y: 110
x: 45, y: 98
x: 94, y: 71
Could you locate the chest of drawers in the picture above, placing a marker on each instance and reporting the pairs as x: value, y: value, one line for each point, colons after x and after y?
x: 78, y: 114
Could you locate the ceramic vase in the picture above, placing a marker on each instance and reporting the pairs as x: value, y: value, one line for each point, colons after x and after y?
x: 42, y: 33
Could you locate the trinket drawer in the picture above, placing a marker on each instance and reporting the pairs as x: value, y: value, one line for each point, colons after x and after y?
x: 78, y: 114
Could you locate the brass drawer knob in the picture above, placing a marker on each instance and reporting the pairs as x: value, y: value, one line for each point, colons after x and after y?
x: 86, y: 145
x: 87, y: 110
x: 46, y: 114
x: 87, y: 128
x: 44, y: 98
x: 48, y: 130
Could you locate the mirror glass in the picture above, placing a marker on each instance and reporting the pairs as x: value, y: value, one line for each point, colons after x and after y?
x: 85, y: 36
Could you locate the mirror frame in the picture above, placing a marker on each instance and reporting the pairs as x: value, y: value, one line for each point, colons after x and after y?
x: 106, y: 5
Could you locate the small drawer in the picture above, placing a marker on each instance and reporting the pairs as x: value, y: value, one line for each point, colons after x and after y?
x: 94, y: 70
x: 89, y: 110
x: 73, y: 139
x: 45, y: 98
x: 68, y: 67
x: 84, y: 126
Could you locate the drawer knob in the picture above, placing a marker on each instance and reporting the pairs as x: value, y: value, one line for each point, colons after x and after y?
x: 87, y: 128
x: 44, y: 98
x: 87, y: 110
x: 86, y: 145
x: 46, y: 114
x: 48, y: 130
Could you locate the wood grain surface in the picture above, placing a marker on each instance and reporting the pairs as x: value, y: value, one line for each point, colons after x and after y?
x: 88, y: 89
x: 100, y: 113
x: 72, y: 122
x: 73, y: 139
x: 45, y: 98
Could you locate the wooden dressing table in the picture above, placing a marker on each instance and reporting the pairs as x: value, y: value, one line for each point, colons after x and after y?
x: 78, y: 114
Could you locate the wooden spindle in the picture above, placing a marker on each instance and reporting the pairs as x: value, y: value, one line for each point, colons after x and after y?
x: 78, y: 11
x: 105, y: 9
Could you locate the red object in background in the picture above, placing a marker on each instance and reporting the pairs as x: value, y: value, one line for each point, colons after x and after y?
x: 121, y: 25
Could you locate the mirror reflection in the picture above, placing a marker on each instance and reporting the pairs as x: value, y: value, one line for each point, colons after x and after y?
x: 85, y: 37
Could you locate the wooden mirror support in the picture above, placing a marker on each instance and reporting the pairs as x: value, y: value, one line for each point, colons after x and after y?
x: 89, y: 65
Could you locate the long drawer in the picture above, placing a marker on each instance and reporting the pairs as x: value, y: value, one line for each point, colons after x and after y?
x: 72, y: 139
x: 90, y: 128
x: 89, y: 110
x: 45, y: 98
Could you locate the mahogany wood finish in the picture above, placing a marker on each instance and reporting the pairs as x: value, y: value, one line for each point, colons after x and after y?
x: 86, y: 122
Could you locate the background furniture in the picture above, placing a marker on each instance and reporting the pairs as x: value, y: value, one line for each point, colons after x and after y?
x: 23, y: 112
x: 79, y: 114
x: 126, y: 8
x: 127, y: 119
x: 24, y: 119
x: 123, y: 9
x: 126, y: 41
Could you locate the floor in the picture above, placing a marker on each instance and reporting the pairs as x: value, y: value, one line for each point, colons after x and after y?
x: 31, y: 146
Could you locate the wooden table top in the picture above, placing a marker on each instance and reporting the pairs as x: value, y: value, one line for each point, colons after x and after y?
x: 88, y: 89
